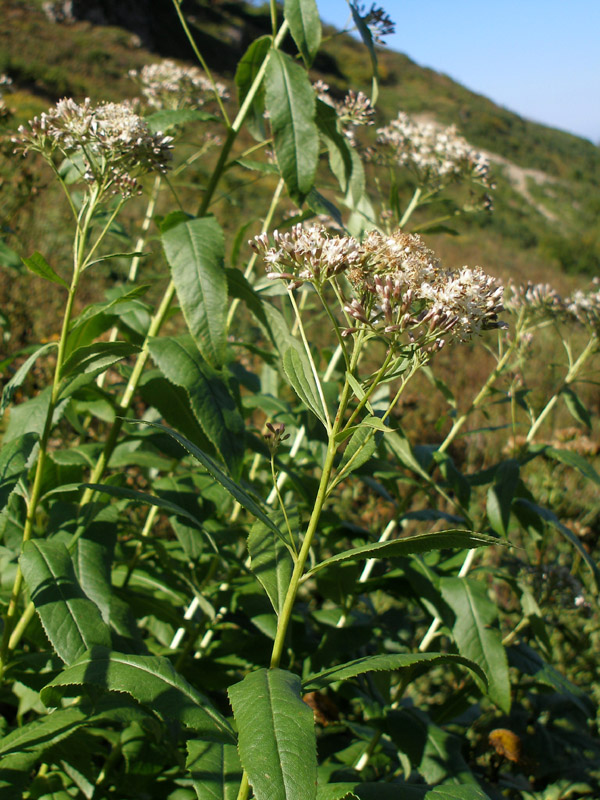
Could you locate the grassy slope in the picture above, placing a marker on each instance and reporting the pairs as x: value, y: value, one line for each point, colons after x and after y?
x: 47, y: 61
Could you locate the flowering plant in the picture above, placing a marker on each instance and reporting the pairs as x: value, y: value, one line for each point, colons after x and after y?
x: 228, y: 571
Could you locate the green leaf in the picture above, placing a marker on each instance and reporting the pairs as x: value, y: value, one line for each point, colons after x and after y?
x: 163, y: 120
x: 305, y: 27
x: 500, y: 496
x: 258, y: 166
x: 574, y: 460
x: 88, y: 361
x: 210, y: 398
x: 290, y: 101
x: 10, y: 258
x: 365, y: 35
x: 173, y: 404
x: 277, y: 743
x: 340, y: 159
x: 270, y: 559
x: 30, y: 416
x: 13, y: 461
x: 38, y: 265
x: 420, y: 543
x: 400, y: 447
x: 195, y: 250
x: 395, y: 661
x: 247, y: 70
x: 214, y: 768
x: 358, y: 451
x: 299, y: 374
x: 146, y: 499
x: 18, y: 378
x: 71, y: 621
x: 576, y: 408
x: 321, y: 205
x: 236, y: 491
x: 545, y: 515
x: 527, y: 661
x: 92, y: 560
x: 150, y: 680
x: 432, y: 750
x: 475, y: 636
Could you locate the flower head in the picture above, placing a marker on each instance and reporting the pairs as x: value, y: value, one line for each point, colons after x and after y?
x: 307, y: 254
x: 537, y: 301
x: 585, y: 307
x: 438, y: 155
x: 378, y: 21
x: 169, y: 86
x: 401, y: 288
x: 114, y: 143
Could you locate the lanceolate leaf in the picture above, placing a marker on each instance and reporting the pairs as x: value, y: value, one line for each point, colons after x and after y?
x: 246, y: 72
x: 475, y: 634
x: 71, y: 621
x: 233, y: 488
x: 420, y: 543
x: 305, y: 27
x: 13, y: 459
x: 290, y: 101
x: 17, y: 379
x: 365, y: 34
x: 38, y: 265
x: 298, y: 373
x: 395, y: 661
x: 195, y: 250
x: 215, y: 770
x: 150, y: 680
x: 168, y: 118
x: 572, y: 459
x: 87, y: 362
x: 277, y: 743
x: 545, y: 515
x: 270, y: 559
x: 211, y: 400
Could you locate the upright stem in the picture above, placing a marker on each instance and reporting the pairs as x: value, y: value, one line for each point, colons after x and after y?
x: 79, y: 260
x: 414, y: 202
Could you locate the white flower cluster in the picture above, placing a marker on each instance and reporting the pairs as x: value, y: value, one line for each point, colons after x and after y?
x: 168, y: 86
x: 438, y: 155
x: 536, y: 300
x: 399, y: 286
x: 402, y: 287
x: 115, y: 144
x: 585, y: 307
x: 307, y: 254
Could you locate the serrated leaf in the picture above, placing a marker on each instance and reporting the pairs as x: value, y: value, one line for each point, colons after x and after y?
x: 195, y: 250
x: 358, y: 451
x: 290, y: 101
x: 210, y: 398
x: 270, y: 559
x: 276, y: 731
x: 395, y: 661
x: 150, y: 680
x: 214, y: 769
x: 18, y: 378
x: 39, y: 266
x: 475, y: 636
x: 89, y: 361
x: 71, y: 621
x: 30, y: 416
x: 305, y: 26
x: 300, y: 377
x: 420, y: 543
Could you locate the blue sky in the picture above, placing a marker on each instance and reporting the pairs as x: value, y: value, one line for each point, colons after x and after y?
x: 538, y: 58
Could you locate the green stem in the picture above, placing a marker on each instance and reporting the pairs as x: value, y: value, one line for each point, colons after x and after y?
x: 414, y: 202
x: 79, y: 243
x: 574, y: 370
x: 199, y: 56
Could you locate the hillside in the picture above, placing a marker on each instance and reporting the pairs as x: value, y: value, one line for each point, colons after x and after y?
x: 547, y: 199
